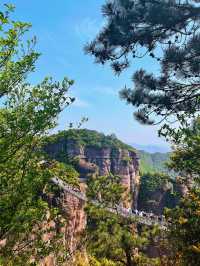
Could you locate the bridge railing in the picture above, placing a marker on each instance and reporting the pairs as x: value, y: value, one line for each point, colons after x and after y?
x: 148, y: 219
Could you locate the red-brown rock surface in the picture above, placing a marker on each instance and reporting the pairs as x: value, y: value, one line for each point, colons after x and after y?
x: 121, y: 162
x: 74, y: 221
x: 103, y: 161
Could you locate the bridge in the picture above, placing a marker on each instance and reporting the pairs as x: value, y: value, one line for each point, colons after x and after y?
x: 101, y: 157
x: 140, y: 217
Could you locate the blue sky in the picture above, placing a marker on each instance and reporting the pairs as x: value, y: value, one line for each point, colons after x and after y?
x: 62, y: 28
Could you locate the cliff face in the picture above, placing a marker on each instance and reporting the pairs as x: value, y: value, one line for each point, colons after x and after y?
x: 103, y: 156
x: 105, y: 160
x: 72, y: 227
x: 89, y: 160
x: 157, y: 201
x: 156, y: 194
x: 73, y: 212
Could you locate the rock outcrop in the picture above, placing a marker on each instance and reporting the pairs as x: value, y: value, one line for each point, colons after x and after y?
x: 71, y: 227
x: 105, y: 161
x: 157, y: 201
x: 90, y: 159
x: 73, y: 213
x: 165, y: 195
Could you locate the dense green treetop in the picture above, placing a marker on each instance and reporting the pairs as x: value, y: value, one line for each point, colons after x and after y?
x: 89, y: 138
x: 185, y: 158
x: 111, y: 236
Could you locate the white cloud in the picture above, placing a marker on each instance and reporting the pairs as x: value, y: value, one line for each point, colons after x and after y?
x: 80, y: 103
x: 88, y: 28
x: 107, y: 90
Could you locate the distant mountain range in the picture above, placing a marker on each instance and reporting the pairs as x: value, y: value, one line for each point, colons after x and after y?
x: 153, y: 162
x: 152, y: 157
x: 151, y: 148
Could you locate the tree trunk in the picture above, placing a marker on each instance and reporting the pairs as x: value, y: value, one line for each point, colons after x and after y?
x: 129, y: 261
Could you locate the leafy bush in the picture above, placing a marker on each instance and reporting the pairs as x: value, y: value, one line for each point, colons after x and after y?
x: 66, y: 172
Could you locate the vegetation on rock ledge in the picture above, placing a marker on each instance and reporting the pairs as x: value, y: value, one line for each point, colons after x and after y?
x: 89, y: 138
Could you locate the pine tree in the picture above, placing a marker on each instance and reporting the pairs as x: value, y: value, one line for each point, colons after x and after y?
x: 167, y: 31
x: 110, y: 236
x: 184, y: 235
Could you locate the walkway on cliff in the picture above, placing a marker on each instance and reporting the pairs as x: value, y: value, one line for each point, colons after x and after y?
x: 146, y: 218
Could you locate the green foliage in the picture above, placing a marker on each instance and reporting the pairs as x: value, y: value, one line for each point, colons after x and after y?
x: 65, y: 172
x: 185, y: 158
x: 91, y: 261
x: 111, y: 236
x: 27, y: 113
x: 106, y: 189
x: 166, y: 31
x: 16, y: 59
x: 153, y: 184
x: 185, y: 218
x: 184, y: 230
x: 103, y: 262
x: 89, y: 138
x: 153, y: 162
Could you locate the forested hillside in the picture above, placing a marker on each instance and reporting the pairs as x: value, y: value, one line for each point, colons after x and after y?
x: 153, y: 162
x: 90, y: 138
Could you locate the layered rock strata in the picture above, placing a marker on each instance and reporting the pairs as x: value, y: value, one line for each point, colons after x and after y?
x: 105, y: 161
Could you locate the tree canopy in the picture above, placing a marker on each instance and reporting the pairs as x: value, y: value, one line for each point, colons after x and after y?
x: 27, y: 113
x: 111, y: 236
x: 185, y: 218
x: 167, y: 31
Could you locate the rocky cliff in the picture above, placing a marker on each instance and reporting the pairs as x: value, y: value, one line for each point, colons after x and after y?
x: 92, y: 152
x: 67, y: 231
x: 157, y: 192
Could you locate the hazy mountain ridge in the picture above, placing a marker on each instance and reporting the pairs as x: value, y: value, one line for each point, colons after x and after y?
x: 153, y: 162
x: 151, y: 148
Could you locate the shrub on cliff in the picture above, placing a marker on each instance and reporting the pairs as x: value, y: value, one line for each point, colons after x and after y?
x: 66, y: 172
x: 80, y: 260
